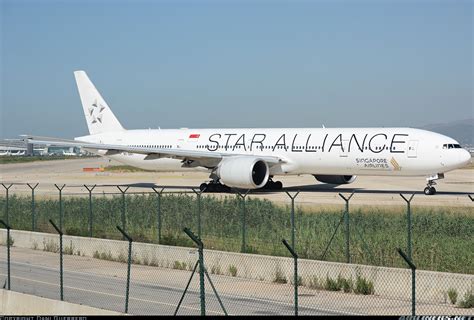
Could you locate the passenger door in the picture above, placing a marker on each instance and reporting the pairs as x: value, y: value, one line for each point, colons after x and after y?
x: 412, y: 148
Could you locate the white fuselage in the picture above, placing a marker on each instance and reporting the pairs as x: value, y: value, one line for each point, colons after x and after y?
x: 324, y: 151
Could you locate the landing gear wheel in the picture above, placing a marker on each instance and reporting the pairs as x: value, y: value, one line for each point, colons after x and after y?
x: 214, y: 186
x: 429, y: 191
x: 273, y: 185
x: 278, y: 185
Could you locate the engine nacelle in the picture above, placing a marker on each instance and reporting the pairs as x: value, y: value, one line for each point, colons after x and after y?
x: 335, y: 179
x: 243, y: 172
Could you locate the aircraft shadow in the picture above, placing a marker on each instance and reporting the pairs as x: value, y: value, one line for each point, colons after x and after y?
x: 316, y: 188
x: 332, y: 188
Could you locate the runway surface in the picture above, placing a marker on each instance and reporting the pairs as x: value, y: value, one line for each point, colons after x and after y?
x: 382, y: 191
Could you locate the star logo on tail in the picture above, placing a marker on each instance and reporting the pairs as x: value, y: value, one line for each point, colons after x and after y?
x: 95, y: 111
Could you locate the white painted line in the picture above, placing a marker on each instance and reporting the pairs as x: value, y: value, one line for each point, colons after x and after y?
x: 112, y: 295
x: 230, y: 296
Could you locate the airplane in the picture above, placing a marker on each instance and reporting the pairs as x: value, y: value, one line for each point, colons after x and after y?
x: 252, y: 158
x: 65, y: 153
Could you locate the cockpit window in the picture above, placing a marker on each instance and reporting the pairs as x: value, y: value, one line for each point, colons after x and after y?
x: 451, y: 146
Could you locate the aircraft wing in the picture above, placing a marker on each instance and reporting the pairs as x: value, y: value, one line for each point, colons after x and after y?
x: 152, y: 153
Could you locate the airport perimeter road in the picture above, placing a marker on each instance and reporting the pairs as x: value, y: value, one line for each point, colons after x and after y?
x: 452, y: 191
x: 101, y: 284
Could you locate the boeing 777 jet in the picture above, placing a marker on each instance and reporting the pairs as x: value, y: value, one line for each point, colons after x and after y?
x: 253, y: 158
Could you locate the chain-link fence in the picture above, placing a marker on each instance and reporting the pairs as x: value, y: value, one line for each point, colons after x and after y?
x: 124, y: 249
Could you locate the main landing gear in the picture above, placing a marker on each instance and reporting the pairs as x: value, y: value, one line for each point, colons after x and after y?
x: 272, y: 185
x: 431, y: 181
x: 214, y: 186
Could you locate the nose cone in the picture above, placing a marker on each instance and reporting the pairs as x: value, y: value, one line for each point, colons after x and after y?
x: 464, y: 157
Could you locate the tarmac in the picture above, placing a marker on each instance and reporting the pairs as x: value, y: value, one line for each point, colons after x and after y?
x: 453, y: 191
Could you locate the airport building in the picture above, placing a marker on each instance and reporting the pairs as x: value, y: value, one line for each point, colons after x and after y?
x: 18, y: 147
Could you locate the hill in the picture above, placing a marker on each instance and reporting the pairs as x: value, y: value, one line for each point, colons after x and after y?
x: 461, y: 130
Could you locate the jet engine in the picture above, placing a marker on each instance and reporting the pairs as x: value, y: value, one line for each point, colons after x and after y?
x: 243, y: 172
x: 335, y: 179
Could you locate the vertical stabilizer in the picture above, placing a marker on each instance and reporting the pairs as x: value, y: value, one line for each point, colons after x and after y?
x: 99, y: 117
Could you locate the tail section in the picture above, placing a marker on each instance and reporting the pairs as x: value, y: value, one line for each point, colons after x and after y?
x: 99, y: 117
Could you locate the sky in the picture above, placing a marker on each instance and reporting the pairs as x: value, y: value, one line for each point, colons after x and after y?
x: 216, y: 64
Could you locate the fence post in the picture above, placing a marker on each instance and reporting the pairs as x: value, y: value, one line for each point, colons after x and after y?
x: 90, y: 189
x: 7, y: 215
x: 202, y: 272
x: 186, y: 289
x: 409, y: 228
x: 61, y: 284
x: 413, y: 281
x: 124, y: 222
x: 127, y: 290
x: 33, y: 206
x: 243, y: 196
x: 295, y: 273
x: 60, y: 189
x: 198, y: 195
x: 202, y: 289
x: 346, y: 220
x: 158, y: 204
x: 293, y: 225
x: 8, y: 252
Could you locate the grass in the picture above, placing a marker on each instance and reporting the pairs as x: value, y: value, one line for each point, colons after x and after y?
x: 124, y: 168
x: 453, y: 295
x: 279, y: 277
x: 363, y: 286
x: 345, y: 284
x: 179, y: 265
x: 332, y: 285
x: 21, y: 159
x: 442, y: 237
x: 467, y: 301
x: 314, y: 283
x: 232, y: 270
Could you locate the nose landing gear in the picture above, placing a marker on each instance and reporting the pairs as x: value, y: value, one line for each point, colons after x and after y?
x: 430, y: 190
x: 431, y: 181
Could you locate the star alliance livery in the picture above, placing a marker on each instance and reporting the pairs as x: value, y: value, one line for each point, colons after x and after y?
x: 252, y: 158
